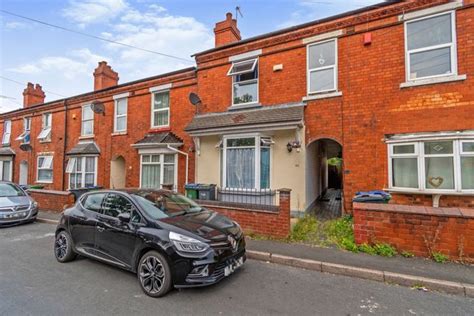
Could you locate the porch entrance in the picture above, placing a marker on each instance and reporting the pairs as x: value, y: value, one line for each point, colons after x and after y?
x: 324, y: 178
x: 117, y: 173
x: 23, y: 173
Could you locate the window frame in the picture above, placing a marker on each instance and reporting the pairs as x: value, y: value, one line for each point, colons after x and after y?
x: 46, y: 127
x: 257, y: 172
x: 38, y: 168
x: 5, y: 133
x: 161, y: 163
x: 452, y: 46
x: 10, y: 169
x: 335, y: 67
x: 420, y: 155
x: 26, y: 130
x: 84, y: 107
x: 153, y: 110
x: 256, y: 66
x: 73, y: 169
x: 117, y: 116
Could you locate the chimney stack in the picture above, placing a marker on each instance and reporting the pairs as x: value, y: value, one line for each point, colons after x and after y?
x: 32, y: 95
x: 104, y: 76
x: 226, y: 31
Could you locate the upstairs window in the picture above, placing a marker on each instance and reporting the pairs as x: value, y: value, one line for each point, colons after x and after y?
x: 87, y: 123
x: 431, y: 46
x: 45, y: 134
x: 25, y: 136
x: 322, y: 67
x: 7, y: 131
x: 45, y: 169
x: 120, y: 115
x: 244, y: 82
x: 160, y: 111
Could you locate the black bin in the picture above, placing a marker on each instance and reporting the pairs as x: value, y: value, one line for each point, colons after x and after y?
x: 207, y: 192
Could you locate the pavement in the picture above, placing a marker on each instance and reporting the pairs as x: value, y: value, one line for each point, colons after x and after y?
x: 34, y: 283
x: 450, y: 278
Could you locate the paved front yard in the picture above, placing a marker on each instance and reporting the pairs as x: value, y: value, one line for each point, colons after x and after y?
x: 32, y: 282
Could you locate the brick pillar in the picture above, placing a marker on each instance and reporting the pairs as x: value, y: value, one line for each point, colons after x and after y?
x: 284, y: 212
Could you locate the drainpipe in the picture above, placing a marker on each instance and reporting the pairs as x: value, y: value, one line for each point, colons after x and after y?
x: 64, y: 176
x: 187, y: 159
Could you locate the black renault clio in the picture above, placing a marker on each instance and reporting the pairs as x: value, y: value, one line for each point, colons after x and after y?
x: 165, y: 238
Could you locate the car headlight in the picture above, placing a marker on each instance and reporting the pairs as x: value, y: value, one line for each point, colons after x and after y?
x: 187, y: 244
x: 34, y: 204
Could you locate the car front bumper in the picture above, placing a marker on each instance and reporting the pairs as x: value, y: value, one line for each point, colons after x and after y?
x: 17, y: 217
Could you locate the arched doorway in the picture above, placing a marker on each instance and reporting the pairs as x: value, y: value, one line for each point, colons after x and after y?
x: 23, y: 180
x: 324, y: 173
x: 117, y: 173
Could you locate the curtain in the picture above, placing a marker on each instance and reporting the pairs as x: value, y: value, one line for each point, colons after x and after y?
x: 439, y: 173
x: 467, y: 173
x: 151, y: 176
x: 240, y: 165
x: 405, y: 172
x: 265, y: 168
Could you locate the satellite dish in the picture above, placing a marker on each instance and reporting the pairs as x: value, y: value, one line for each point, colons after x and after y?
x: 194, y: 99
x: 26, y: 147
x: 98, y: 107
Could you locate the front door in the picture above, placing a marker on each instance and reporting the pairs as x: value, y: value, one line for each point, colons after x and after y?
x: 116, y: 240
x: 23, y: 173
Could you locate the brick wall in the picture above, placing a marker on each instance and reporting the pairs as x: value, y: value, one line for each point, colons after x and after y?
x: 417, y: 229
x: 261, y: 222
x: 51, y: 200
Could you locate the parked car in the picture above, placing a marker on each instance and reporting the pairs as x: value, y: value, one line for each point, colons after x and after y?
x: 164, y: 237
x: 16, y: 206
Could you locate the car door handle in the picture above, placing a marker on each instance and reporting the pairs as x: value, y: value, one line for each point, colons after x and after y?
x: 100, y: 229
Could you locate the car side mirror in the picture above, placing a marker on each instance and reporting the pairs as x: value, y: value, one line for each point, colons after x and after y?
x: 124, y: 217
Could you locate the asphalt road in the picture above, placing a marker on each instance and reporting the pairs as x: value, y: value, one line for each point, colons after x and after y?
x: 32, y: 282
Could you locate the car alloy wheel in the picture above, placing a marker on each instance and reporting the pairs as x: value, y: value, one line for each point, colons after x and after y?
x: 152, y: 275
x: 61, y: 246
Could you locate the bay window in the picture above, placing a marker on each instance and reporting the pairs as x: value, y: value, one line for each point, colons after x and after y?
x: 443, y: 165
x: 5, y: 169
x: 82, y: 172
x: 246, y: 163
x: 431, y: 46
x: 160, y: 113
x: 45, y: 169
x: 158, y: 170
x: 244, y: 81
x: 322, y: 67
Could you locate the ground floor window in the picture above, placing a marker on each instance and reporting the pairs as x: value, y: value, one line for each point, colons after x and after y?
x: 158, y: 170
x: 433, y: 165
x: 6, y: 170
x: 246, y: 162
x: 45, y: 169
x: 82, y: 172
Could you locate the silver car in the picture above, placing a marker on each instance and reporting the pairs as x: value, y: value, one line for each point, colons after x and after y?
x: 16, y: 206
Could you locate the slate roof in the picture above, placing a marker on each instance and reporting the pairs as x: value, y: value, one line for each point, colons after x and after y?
x: 86, y: 148
x: 160, y: 138
x: 263, y: 115
x: 6, y: 151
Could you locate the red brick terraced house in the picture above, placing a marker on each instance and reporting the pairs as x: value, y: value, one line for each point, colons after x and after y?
x: 387, y: 88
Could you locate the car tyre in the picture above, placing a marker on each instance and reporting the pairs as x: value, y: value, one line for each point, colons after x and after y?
x: 63, y: 247
x: 154, y: 274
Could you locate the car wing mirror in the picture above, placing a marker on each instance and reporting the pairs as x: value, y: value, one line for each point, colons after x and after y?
x: 124, y: 218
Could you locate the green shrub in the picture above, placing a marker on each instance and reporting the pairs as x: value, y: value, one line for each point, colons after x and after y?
x: 366, y: 248
x: 340, y: 232
x: 385, y: 250
x: 305, y: 229
x: 407, y: 254
x: 439, y: 257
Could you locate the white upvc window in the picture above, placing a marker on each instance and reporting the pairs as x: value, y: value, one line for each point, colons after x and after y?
x: 87, y: 121
x: 82, y: 172
x: 246, y: 162
x: 322, y: 67
x: 6, y: 167
x: 157, y: 170
x: 120, y: 115
x: 45, y: 169
x: 46, y: 126
x: 244, y: 82
x: 160, y: 109
x: 25, y: 136
x: 430, y: 45
x: 432, y: 166
x: 7, y: 131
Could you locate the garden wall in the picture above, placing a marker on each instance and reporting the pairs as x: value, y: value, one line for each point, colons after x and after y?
x: 417, y: 229
x: 271, y: 222
x: 51, y: 200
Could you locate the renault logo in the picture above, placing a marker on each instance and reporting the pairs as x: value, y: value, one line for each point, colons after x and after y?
x: 233, y: 243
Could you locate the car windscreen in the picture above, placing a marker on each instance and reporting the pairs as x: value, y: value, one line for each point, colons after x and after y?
x: 9, y: 190
x: 161, y: 205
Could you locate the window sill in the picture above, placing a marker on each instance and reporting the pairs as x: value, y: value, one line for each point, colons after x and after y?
x: 45, y: 141
x: 86, y: 137
x: 430, y: 192
x: 424, y: 82
x: 44, y: 182
x: 159, y: 129
x: 328, y: 95
x: 118, y: 133
x: 244, y: 106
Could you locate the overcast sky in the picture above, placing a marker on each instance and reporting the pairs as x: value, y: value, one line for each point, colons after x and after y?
x: 63, y: 62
